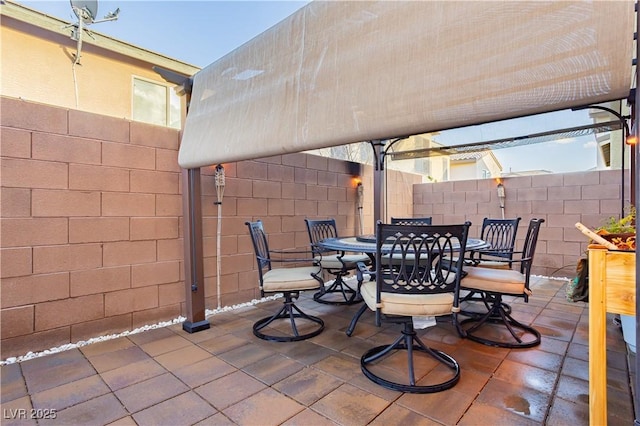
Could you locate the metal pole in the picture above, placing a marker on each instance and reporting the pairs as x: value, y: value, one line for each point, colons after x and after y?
x: 192, y: 224
x: 193, y: 260
x: 220, y: 182
x: 378, y: 182
x: 635, y: 193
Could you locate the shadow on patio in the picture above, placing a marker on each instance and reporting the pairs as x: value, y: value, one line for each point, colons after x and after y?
x: 225, y: 375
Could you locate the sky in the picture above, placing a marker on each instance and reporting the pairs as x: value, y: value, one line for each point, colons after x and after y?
x: 195, y: 32
x: 200, y: 32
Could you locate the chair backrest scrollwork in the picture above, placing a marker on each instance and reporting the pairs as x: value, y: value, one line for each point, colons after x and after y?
x: 260, y: 245
x: 500, y: 234
x: 319, y: 230
x: 411, y: 220
x: 414, y: 259
x: 530, y: 242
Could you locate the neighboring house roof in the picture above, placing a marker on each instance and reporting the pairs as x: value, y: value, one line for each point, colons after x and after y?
x: 467, y: 156
x: 527, y: 173
x: 476, y: 155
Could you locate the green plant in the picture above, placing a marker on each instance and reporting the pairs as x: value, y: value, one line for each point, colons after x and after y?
x: 626, y: 225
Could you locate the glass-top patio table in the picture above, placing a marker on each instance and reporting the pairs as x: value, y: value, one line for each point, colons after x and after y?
x: 367, y: 244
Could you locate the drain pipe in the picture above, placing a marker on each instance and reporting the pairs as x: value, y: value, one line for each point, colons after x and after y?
x: 636, y: 193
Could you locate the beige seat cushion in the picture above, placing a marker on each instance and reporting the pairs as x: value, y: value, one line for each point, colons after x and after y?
x: 286, y: 279
x: 332, y: 262
x: 496, y: 280
x: 495, y: 264
x: 408, y: 304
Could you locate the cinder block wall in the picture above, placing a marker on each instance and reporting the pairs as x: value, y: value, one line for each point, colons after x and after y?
x: 282, y: 191
x: 91, y: 220
x: 91, y: 232
x: 560, y: 199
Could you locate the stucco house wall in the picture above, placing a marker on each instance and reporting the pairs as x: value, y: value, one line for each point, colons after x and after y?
x: 38, y: 57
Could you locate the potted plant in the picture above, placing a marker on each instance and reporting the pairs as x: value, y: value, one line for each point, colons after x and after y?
x: 621, y: 232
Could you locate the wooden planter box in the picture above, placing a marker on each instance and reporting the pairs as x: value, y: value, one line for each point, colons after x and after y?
x: 612, y: 288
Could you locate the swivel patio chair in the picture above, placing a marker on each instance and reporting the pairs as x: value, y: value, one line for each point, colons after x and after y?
x: 423, y: 285
x: 494, y: 284
x: 288, y: 281
x: 500, y: 235
x: 394, y: 221
x: 338, y: 264
x: 407, y: 221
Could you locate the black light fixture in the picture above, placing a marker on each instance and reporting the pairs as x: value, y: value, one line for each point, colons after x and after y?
x: 632, y: 137
x: 359, y: 205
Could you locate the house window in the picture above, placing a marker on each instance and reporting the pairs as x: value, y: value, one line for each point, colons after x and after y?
x: 155, y: 103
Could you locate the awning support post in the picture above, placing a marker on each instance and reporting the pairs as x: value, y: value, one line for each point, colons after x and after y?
x: 378, y: 181
x: 192, y: 224
x: 193, y: 258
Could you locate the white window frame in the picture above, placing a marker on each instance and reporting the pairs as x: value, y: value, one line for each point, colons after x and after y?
x: 170, y: 95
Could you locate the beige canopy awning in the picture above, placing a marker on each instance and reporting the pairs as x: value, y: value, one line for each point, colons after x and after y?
x: 347, y: 71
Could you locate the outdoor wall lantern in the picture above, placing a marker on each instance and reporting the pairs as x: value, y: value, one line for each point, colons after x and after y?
x: 359, y: 204
x: 632, y: 138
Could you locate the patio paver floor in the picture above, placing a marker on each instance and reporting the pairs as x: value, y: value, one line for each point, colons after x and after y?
x: 225, y: 375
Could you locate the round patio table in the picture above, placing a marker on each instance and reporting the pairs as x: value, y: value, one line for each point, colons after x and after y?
x: 367, y: 244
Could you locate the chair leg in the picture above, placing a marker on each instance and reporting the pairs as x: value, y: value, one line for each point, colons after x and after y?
x: 290, y: 311
x: 354, y: 320
x: 347, y: 295
x: 478, y: 296
x: 411, y: 343
x: 498, y: 315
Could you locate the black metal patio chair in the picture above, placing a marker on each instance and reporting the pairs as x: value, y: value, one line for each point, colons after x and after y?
x: 494, y: 284
x: 288, y: 281
x: 394, y: 221
x: 337, y: 263
x: 422, y: 284
x: 500, y: 235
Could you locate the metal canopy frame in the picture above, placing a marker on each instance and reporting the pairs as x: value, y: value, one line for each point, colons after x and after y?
x: 535, y: 138
x: 385, y: 148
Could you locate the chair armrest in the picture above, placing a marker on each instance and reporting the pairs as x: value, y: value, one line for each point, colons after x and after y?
x: 317, y: 250
x: 362, y: 269
x: 293, y: 256
x: 496, y: 257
